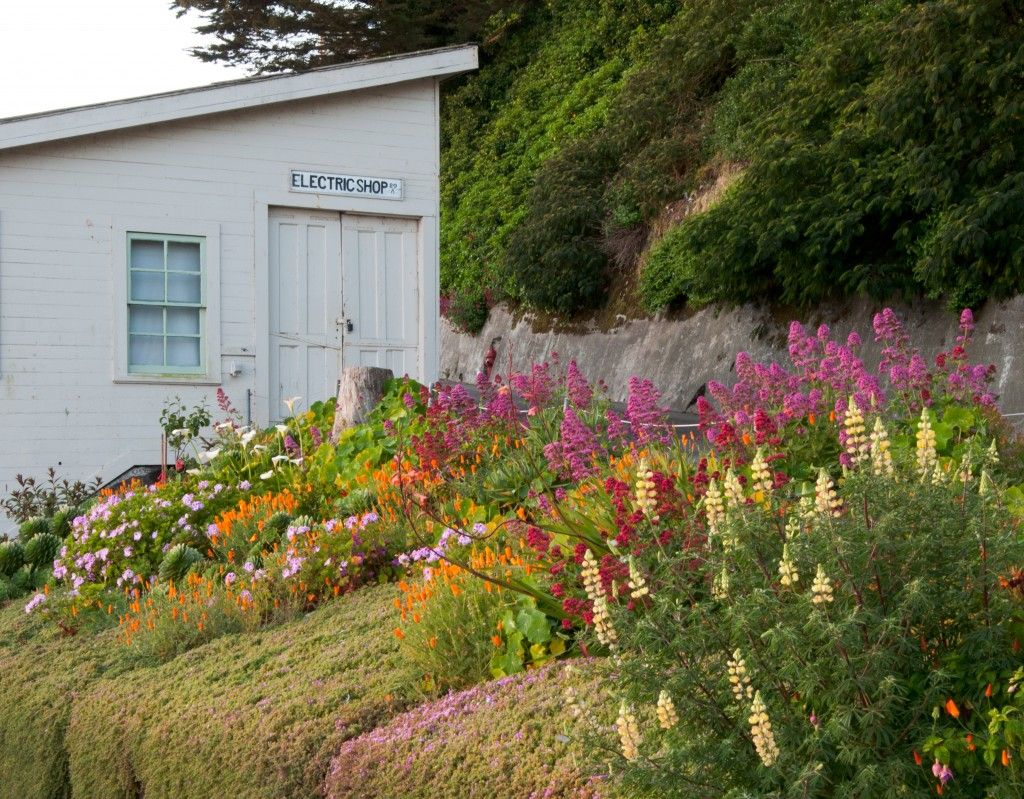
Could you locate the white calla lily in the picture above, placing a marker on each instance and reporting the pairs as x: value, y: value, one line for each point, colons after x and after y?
x: 290, y: 404
x: 267, y: 475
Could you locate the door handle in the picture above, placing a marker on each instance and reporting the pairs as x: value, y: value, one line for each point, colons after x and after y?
x: 349, y: 327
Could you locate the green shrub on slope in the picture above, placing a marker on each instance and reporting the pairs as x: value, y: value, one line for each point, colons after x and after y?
x: 254, y: 714
x: 889, y: 164
x: 41, y: 672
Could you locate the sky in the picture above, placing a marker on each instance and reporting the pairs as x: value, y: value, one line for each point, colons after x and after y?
x: 62, y: 53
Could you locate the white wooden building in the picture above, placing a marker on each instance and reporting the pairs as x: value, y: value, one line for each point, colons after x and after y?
x: 257, y: 235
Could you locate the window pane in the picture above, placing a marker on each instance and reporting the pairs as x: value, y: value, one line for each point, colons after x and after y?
x: 147, y: 286
x: 183, y: 288
x: 145, y: 351
x: 145, y: 319
x: 183, y: 320
x: 147, y: 254
x: 182, y: 351
x: 183, y: 256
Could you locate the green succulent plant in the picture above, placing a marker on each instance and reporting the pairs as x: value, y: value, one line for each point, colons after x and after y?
x: 12, y: 557
x: 60, y: 523
x: 29, y: 529
x: 41, y: 550
x: 177, y: 562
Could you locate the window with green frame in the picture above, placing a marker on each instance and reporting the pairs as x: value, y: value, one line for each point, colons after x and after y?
x: 166, y: 304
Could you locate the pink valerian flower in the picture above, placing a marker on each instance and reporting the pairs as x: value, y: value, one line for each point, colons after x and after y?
x: 615, y: 429
x: 579, y: 446
x: 291, y: 446
x: 648, y: 420
x: 316, y: 436
x: 501, y: 405
x: 224, y: 403
x: 536, y: 388
x: 576, y: 387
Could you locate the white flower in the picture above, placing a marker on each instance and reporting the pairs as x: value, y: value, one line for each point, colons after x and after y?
x: 290, y: 404
x: 278, y: 459
x: 247, y: 437
x: 761, y: 731
x: 926, y: 454
x: 666, y: 710
x: 787, y: 570
x: 733, y: 489
x: 193, y: 471
x: 637, y: 584
x: 857, y: 445
x: 826, y: 500
x: 713, y: 506
x: 821, y: 588
x: 738, y: 677
x: 646, y: 495
x: 629, y: 732
x: 761, y: 476
x: 224, y: 426
x: 881, y: 457
x: 282, y: 429
x: 209, y: 455
x: 267, y: 475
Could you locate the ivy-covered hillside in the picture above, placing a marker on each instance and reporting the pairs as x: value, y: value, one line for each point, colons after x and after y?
x: 665, y: 152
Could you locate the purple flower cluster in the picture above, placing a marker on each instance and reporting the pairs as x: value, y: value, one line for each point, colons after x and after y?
x: 647, y: 418
x: 826, y: 373
x: 432, y: 554
x: 577, y: 389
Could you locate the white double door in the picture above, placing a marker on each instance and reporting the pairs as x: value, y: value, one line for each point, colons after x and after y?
x: 344, y: 291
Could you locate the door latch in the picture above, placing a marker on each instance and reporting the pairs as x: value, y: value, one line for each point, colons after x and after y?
x: 349, y: 327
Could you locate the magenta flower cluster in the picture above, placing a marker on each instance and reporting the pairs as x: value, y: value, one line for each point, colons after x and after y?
x: 825, y: 373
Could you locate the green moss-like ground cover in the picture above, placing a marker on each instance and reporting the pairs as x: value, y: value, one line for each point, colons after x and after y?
x: 513, y: 737
x: 41, y: 674
x: 276, y: 713
x: 254, y: 714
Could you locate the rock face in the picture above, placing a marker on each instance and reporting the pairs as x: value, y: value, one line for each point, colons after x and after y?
x: 680, y: 354
x: 359, y: 390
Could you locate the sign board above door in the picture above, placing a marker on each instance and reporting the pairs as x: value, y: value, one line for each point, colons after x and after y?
x: 349, y: 185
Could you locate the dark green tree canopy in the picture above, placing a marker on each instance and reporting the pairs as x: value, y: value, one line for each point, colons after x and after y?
x: 301, y: 34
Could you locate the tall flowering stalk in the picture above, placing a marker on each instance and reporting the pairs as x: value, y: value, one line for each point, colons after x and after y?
x: 629, y: 732
x: 855, y: 435
x: 666, y: 711
x: 881, y: 457
x: 761, y: 477
x: 826, y: 499
x: 761, y: 731
x: 927, y: 458
x: 591, y: 575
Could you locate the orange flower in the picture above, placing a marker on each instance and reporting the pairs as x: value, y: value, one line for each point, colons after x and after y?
x: 917, y: 758
x: 399, y: 634
x: 952, y: 709
x: 971, y: 746
x: 496, y: 640
x: 810, y: 419
x: 747, y: 439
x: 988, y: 690
x: 1005, y: 760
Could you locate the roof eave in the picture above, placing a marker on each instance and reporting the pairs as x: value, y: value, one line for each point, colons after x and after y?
x: 235, y: 95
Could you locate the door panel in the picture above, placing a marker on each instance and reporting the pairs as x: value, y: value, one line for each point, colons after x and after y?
x: 381, y: 293
x: 305, y: 305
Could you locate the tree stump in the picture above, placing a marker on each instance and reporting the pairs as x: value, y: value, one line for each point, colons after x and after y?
x: 359, y: 390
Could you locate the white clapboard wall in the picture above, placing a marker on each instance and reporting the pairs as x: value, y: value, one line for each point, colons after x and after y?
x: 64, y: 207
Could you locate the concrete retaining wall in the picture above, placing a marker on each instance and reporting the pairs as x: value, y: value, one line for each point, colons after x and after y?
x: 681, y: 354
